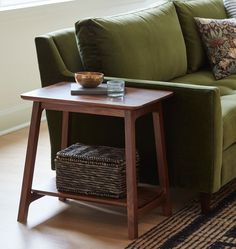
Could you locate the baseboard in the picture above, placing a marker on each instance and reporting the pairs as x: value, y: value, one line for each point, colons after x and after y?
x: 15, y: 128
x: 15, y: 118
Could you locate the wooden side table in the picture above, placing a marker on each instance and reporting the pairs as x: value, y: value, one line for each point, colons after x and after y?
x: 137, y: 102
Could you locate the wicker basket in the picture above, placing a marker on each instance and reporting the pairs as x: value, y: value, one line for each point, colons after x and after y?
x: 92, y: 170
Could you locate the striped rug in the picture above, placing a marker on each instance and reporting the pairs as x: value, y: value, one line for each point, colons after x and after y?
x: 188, y: 229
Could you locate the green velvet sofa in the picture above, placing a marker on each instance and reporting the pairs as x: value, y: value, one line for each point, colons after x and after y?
x: 158, y: 48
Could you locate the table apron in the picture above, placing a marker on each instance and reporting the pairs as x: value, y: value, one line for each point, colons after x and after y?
x: 106, y: 111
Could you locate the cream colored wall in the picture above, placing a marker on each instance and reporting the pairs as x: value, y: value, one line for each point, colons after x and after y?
x: 18, y: 61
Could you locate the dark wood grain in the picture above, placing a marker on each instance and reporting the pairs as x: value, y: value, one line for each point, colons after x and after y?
x: 60, y: 93
x: 146, y: 193
x: 205, y: 200
x: 130, y: 157
x: 26, y: 195
x: 136, y: 103
x: 65, y: 129
x: 161, y: 157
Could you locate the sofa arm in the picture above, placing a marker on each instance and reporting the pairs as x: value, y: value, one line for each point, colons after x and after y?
x: 194, y: 130
x: 58, y: 56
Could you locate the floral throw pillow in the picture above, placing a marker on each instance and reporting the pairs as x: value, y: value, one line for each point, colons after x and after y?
x: 219, y: 38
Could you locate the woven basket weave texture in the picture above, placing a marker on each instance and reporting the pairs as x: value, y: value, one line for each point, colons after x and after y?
x: 92, y: 170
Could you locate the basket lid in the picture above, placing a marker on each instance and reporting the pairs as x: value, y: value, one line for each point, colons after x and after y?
x: 81, y: 151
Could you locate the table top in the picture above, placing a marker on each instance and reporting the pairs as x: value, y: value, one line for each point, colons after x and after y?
x: 60, y: 93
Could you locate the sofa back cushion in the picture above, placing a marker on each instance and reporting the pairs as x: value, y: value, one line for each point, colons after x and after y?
x: 187, y: 10
x: 146, y: 44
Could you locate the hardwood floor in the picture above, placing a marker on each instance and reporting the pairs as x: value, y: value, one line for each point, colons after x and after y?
x: 53, y: 224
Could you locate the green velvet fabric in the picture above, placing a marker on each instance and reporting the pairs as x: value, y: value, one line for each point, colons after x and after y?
x: 187, y: 10
x: 134, y: 45
x: 228, y: 171
x: 63, y: 43
x: 227, y: 87
x: 205, y: 77
x: 58, y: 56
x: 193, y: 117
x: 228, y: 105
x: 193, y: 128
x: 193, y: 162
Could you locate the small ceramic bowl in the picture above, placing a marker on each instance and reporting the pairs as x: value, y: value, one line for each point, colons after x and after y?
x: 89, y: 79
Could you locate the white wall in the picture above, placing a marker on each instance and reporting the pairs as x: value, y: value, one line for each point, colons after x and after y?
x: 18, y: 61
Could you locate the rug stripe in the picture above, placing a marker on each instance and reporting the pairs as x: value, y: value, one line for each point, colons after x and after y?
x: 162, y: 233
x: 189, y: 229
x: 173, y: 219
x: 169, y: 229
x: 202, y: 240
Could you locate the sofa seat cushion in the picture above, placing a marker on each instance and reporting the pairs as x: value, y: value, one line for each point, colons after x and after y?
x: 226, y: 85
x: 146, y: 44
x: 187, y: 10
x: 228, y: 105
x: 228, y: 170
x: 227, y: 88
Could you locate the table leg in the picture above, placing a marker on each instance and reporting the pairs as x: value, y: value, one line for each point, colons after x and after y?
x: 64, y: 136
x: 26, y: 196
x: 130, y: 153
x: 65, y: 130
x: 161, y: 158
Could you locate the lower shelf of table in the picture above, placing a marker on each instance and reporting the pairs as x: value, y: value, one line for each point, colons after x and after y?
x: 148, y: 196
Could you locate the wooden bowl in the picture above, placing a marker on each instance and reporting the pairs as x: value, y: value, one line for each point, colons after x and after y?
x: 89, y: 79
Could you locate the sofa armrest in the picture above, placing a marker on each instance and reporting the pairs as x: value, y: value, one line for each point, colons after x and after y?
x: 194, y: 131
x: 58, y: 56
